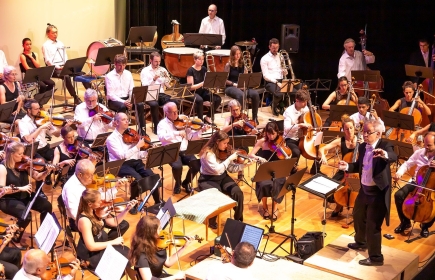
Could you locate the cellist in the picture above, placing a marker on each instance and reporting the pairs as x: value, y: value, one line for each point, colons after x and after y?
x: 419, y: 158
x: 366, y: 112
x: 404, y: 102
x: 422, y: 131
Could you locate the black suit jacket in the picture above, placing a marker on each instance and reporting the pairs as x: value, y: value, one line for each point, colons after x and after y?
x: 417, y: 59
x: 381, y: 170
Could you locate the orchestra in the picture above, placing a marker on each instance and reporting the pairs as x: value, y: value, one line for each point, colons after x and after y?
x: 363, y: 147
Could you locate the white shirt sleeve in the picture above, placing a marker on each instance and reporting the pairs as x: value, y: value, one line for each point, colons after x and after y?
x: 370, y: 59
x: 222, y: 31
x: 289, y: 124
x: 341, y: 67
x: 265, y: 69
x: 412, y: 161
x: 146, y: 77
x: 116, y: 147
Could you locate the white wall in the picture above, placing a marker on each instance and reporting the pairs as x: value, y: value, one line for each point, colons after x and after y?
x: 79, y: 22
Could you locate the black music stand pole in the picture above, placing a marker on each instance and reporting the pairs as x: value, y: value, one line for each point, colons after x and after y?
x: 35, y: 75
x: 248, y: 81
x: 214, y: 80
x: 318, y: 85
x: 139, y: 95
x: 243, y: 141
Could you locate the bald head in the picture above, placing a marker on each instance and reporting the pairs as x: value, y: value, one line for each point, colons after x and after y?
x: 429, y: 142
x: 35, y: 262
x: 212, y: 10
x: 85, y: 166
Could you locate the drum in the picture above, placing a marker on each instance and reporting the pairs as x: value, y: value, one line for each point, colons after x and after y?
x: 179, y: 60
x: 93, y: 50
x: 221, y: 57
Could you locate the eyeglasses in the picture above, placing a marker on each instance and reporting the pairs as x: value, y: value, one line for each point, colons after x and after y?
x: 212, y: 11
x: 368, y: 132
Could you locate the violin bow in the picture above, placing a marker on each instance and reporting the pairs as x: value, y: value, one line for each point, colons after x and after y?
x: 171, y: 235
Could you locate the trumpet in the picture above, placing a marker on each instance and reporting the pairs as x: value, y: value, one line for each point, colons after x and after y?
x: 209, y: 60
x: 287, y: 65
x: 246, y: 56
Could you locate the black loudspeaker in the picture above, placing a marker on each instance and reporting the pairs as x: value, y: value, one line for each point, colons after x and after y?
x: 309, y: 244
x: 290, y: 37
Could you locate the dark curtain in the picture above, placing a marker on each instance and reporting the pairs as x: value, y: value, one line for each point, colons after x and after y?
x: 393, y: 30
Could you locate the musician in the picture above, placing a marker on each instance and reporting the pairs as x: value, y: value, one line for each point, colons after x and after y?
x: 212, y: 24
x: 29, y: 60
x: 235, y: 67
x: 404, y: 102
x: 267, y: 188
x: 73, y: 190
x: 214, y: 172
x: 14, y: 203
x: 119, y: 87
x: 35, y: 263
x: 372, y: 204
x: 3, y: 64
x: 133, y: 165
x: 352, y: 59
x: 195, y: 77
x: 419, y: 158
x: 10, y: 258
x: 90, y: 120
x: 273, y: 73
x: 292, y: 123
x: 168, y: 134
x: 340, y: 93
x: 54, y: 52
x: 62, y: 157
x: 231, y: 126
x: 363, y: 113
x: 146, y: 257
x: 154, y: 74
x: 422, y: 131
x: 93, y: 239
x: 422, y: 57
x: 243, y: 257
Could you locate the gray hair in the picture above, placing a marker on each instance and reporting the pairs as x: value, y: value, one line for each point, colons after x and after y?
x: 33, y: 259
x: 234, y: 103
x: 7, y: 70
x: 168, y: 105
x: 83, y: 165
x: 349, y: 40
x: 90, y: 92
x: 198, y: 54
x: 376, y: 125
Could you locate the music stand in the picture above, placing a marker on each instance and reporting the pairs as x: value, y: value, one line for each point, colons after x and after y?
x: 398, y: 121
x: 417, y: 71
x: 214, y: 80
x: 100, y: 140
x: 181, y: 92
x: 404, y: 151
x: 28, y: 149
x: 247, y: 81
x: 43, y: 98
x: 35, y: 75
x: 195, y: 146
x: 106, y: 55
x: 6, y: 110
x: 318, y: 85
x: 159, y: 156
x: 141, y: 34
x: 139, y: 95
x: 337, y: 111
x: 111, y: 167
x: 367, y: 76
x: 202, y: 39
x: 243, y: 140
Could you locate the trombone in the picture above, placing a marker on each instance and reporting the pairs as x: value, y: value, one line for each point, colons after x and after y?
x: 246, y: 56
x: 209, y: 59
x: 286, y: 64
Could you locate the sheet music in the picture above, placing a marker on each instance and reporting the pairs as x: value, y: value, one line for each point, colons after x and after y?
x: 319, y: 138
x: 163, y: 217
x: 47, y: 233
x: 252, y: 235
x: 111, y: 265
x: 322, y: 185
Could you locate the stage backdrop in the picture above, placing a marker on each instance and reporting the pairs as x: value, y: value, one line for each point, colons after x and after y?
x: 393, y: 29
x: 79, y: 22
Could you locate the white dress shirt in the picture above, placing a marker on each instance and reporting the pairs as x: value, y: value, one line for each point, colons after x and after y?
x: 3, y: 61
x: 54, y: 53
x: 291, y: 121
x: 71, y: 194
x: 147, y: 77
x: 348, y: 63
x: 119, y: 150
x: 357, y: 118
x: 22, y: 275
x: 426, y: 58
x: 213, y: 26
x: 271, y: 67
x: 28, y: 126
x: 210, y: 165
x: 168, y: 134
x: 118, y: 86
x: 81, y: 114
x: 367, y: 168
x: 418, y: 158
x: 228, y: 271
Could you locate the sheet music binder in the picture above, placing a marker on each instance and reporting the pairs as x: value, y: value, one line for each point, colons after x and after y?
x: 316, y: 193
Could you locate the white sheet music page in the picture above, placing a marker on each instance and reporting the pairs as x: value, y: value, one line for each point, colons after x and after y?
x: 322, y: 185
x: 111, y: 265
x: 47, y: 234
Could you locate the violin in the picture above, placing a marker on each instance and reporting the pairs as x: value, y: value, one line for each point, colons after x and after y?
x: 178, y: 240
x: 225, y: 256
x: 248, y: 125
x: 131, y: 136
x: 183, y: 122
x: 84, y: 152
x: 242, y: 155
x: 106, y: 116
x: 278, y: 145
x: 52, y: 272
x: 57, y: 120
x: 4, y: 138
x: 114, y: 206
x: 38, y: 164
x: 108, y: 181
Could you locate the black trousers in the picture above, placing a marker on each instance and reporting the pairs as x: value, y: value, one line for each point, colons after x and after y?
x: 113, y: 233
x: 225, y: 184
x: 10, y: 258
x: 202, y: 95
x: 68, y: 83
x: 154, y: 108
x: 120, y: 107
x: 177, y: 169
x: 46, y: 85
x: 239, y: 94
x: 368, y: 214
x: 136, y: 169
x: 294, y: 147
x: 278, y: 96
x: 399, y: 198
x: 45, y: 152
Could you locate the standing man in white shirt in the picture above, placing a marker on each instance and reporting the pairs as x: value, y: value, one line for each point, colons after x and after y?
x: 213, y: 24
x: 3, y: 64
x: 353, y: 60
x: 119, y: 87
x: 54, y: 52
x: 152, y: 75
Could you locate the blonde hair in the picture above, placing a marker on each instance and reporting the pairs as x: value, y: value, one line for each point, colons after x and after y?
x: 212, y: 144
x: 198, y: 54
x: 12, y: 148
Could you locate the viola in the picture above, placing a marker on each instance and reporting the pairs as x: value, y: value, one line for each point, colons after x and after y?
x: 278, y: 145
x: 248, y: 125
x: 107, y: 207
x: 131, y: 136
x: 4, y: 138
x: 85, y: 152
x: 38, y: 164
x: 52, y: 272
x: 106, y: 116
x: 242, y: 155
x: 57, y: 120
x: 178, y: 239
x: 183, y: 122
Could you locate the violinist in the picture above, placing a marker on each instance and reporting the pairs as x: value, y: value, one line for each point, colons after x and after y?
x: 168, y: 134
x: 404, y: 102
x: 154, y: 74
x: 292, y: 123
x: 372, y: 204
x: 353, y: 60
x: 133, y: 165
x: 10, y: 258
x: 265, y: 189
x: 341, y: 93
x: 236, y: 121
x: 93, y: 239
x: 364, y: 113
x: 35, y: 263
x: 62, y: 157
x: 419, y: 158
x: 214, y: 173
x: 235, y: 67
x: 15, y: 201
x: 146, y: 257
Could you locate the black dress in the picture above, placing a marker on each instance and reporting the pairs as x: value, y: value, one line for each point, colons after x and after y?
x: 43, y: 85
x: 344, y: 150
x: 267, y: 188
x: 9, y: 96
x: 157, y: 268
x: 66, y: 157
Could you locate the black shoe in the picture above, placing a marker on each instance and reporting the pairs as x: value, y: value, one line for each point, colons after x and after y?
x: 240, y: 176
x: 275, y: 111
x: 186, y: 187
x: 369, y: 262
x: 401, y: 228
x: 133, y: 211
x: 424, y: 232
x: 334, y: 214
x: 48, y: 181
x: 256, y: 121
x: 357, y: 246
x: 77, y: 100
x: 177, y: 190
x: 207, y: 121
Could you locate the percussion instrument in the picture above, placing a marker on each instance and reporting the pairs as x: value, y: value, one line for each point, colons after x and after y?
x: 220, y: 57
x: 246, y: 43
x: 179, y: 60
x: 92, y: 52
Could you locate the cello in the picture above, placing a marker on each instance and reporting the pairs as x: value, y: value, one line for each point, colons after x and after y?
x: 337, y: 125
x: 428, y: 88
x: 306, y: 143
